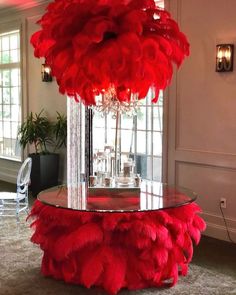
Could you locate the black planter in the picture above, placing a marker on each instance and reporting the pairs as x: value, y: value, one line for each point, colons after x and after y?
x: 44, y: 174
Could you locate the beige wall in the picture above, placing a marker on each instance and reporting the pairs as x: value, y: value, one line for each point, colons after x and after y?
x: 202, y: 112
x: 201, y: 107
x: 37, y: 95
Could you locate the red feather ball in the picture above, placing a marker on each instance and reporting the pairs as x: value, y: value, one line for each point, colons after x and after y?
x: 93, y: 45
x: 116, y: 250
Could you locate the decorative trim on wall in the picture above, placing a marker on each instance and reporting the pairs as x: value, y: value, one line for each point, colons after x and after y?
x: 182, y: 149
x: 218, y: 160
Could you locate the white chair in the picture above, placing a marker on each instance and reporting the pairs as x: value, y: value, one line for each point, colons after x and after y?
x: 11, y: 204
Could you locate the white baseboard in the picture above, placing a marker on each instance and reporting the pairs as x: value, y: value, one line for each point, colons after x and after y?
x: 7, y: 177
x: 216, y: 227
x: 9, y: 170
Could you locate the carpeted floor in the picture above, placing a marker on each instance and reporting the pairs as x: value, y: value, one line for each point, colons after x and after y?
x: 212, y: 271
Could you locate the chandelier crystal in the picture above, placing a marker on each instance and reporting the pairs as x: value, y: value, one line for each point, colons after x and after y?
x: 108, y: 103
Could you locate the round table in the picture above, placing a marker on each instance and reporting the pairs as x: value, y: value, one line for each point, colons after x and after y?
x: 118, y: 237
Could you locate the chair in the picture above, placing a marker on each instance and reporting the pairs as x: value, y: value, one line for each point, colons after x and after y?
x: 11, y: 203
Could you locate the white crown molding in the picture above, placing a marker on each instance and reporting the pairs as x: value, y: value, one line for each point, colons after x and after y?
x: 6, y: 9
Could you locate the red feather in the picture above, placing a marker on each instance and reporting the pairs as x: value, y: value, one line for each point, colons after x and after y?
x: 93, y: 268
x: 85, y: 235
x: 199, y: 223
x: 160, y: 255
x: 107, y: 44
x: 115, y: 270
x: 116, y: 250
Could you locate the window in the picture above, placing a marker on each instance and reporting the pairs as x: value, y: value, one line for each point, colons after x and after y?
x: 140, y: 137
x: 10, y: 94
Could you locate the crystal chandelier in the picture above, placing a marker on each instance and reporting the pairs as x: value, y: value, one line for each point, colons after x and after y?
x: 108, y: 103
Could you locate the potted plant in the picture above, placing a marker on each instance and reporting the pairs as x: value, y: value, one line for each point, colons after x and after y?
x: 46, y: 137
x: 59, y: 130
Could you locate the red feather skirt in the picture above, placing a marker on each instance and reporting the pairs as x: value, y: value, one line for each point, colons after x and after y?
x: 132, y: 250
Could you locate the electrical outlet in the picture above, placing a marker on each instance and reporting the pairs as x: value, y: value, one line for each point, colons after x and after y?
x: 223, y: 203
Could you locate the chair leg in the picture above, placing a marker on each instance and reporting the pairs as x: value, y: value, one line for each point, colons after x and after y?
x: 17, y: 211
x: 27, y: 202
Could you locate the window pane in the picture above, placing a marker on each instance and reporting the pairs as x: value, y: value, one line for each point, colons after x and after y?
x: 5, y: 57
x: 15, y: 77
x: 6, y: 129
x: 15, y: 95
x: 157, y: 119
x: 14, y: 55
x: 160, y: 99
x: 6, y: 78
x: 126, y: 122
x: 8, y: 147
x: 6, y: 95
x: 157, y: 143
x: 141, y: 142
x: 149, y: 97
x: 141, y: 165
x: 157, y: 168
x: 15, y: 113
x: 98, y: 120
x: 14, y: 130
x: 149, y: 143
x: 99, y: 138
x: 5, y: 43
x: 6, y: 112
x: 149, y: 118
x: 141, y: 119
x: 127, y: 141
x: 111, y: 121
x: 14, y: 41
x: 149, y: 168
x: 110, y: 136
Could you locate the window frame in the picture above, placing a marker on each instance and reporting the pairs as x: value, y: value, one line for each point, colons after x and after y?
x: 6, y: 29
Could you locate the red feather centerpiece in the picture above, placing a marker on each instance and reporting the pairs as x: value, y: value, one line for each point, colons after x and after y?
x: 116, y: 250
x: 93, y: 46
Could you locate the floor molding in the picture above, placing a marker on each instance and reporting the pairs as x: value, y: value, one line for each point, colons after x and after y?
x: 8, y: 177
x: 219, y: 231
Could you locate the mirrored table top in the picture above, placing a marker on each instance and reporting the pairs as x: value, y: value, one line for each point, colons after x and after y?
x: 150, y: 196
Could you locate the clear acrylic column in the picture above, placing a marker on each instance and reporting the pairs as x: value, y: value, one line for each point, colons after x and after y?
x: 77, y: 189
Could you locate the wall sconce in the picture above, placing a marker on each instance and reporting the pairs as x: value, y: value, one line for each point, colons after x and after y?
x: 46, y: 73
x: 224, y: 57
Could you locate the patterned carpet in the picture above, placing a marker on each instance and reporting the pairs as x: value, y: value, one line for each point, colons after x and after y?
x: 20, y: 271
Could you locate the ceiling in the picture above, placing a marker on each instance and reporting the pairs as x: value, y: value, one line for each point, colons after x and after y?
x: 24, y: 4
x: 20, y: 4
